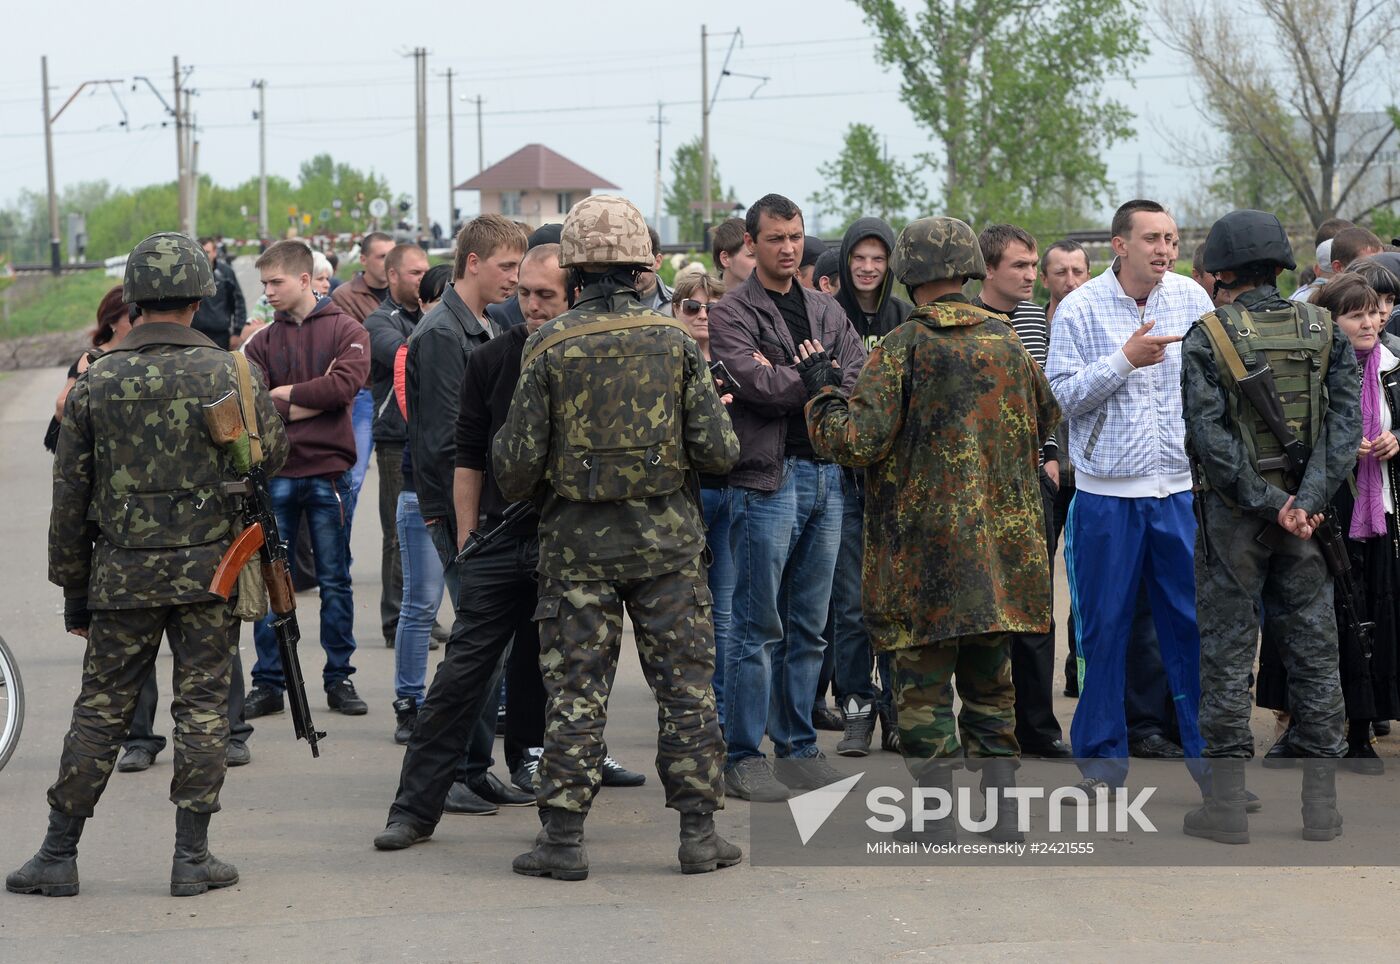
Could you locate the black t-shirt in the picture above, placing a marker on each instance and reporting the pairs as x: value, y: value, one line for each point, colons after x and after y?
x: 487, y: 388
x: 793, y: 307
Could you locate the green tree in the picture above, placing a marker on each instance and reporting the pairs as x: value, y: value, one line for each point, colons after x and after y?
x: 1011, y: 92
x: 687, y: 189
x: 1245, y: 178
x: 863, y: 181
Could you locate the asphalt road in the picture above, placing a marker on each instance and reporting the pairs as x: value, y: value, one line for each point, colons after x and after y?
x: 313, y: 889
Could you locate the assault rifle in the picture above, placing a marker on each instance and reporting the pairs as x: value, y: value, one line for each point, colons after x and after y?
x: 477, y: 541
x: 260, y: 535
x: 1258, y: 389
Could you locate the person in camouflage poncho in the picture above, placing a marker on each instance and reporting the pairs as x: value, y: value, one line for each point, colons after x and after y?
x: 946, y: 417
x: 140, y: 521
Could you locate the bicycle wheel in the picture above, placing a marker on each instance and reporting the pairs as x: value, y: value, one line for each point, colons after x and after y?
x: 11, y: 704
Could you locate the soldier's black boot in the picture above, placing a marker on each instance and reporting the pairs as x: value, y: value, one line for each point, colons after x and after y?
x: 936, y: 776
x: 1222, y: 817
x: 1321, y: 821
x: 559, y: 851
x: 53, y: 871
x: 703, y: 850
x: 195, y: 870
x: 1000, y: 775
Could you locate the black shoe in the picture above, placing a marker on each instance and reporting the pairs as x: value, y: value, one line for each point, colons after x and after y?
x: 1361, y: 758
x: 405, y: 716
x: 388, y: 642
x: 524, y: 776
x: 617, y: 775
x: 1282, y: 755
x: 489, y: 788
x: 53, y: 871
x: 1380, y: 727
x: 136, y: 759
x: 1071, y: 687
x: 262, y: 701
x: 859, y: 730
x: 823, y: 718
x: 238, y: 754
x: 802, y: 773
x: 342, y: 698
x: 1094, y: 789
x: 1057, y: 751
x: 195, y: 870
x: 1155, y: 747
x: 461, y: 799
x: 439, y: 634
x: 399, y: 836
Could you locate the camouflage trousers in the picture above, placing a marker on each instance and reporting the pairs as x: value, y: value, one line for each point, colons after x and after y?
x: 1235, y: 575
x: 580, y: 641
x: 924, y: 677
x: 122, y: 646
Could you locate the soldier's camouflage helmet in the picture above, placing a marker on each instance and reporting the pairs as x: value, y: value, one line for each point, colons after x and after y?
x: 605, y: 229
x: 936, y: 249
x: 167, y: 265
x: 1243, y: 238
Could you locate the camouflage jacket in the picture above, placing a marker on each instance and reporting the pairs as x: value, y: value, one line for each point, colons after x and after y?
x: 627, y: 538
x: 948, y: 416
x: 1214, y: 442
x: 139, y: 518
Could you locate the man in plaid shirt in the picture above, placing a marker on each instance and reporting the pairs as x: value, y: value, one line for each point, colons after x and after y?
x: 1115, y: 368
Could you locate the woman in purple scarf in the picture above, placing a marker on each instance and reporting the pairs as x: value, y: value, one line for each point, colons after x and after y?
x: 1366, y: 513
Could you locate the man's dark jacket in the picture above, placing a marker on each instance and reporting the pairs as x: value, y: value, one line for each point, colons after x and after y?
x: 746, y: 321
x: 437, y: 362
x: 389, y: 326
x: 223, y: 313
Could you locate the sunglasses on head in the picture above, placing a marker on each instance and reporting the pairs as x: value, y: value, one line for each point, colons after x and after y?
x: 692, y: 307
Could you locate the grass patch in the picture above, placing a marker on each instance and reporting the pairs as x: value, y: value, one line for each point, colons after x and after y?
x: 39, y: 306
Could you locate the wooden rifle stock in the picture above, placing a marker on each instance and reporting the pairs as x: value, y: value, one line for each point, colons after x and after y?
x: 249, y: 541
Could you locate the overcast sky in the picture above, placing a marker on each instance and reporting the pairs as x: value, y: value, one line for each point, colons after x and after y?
x: 340, y: 82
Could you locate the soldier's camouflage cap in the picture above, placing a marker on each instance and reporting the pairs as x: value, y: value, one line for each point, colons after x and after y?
x: 605, y: 229
x: 936, y: 249
x: 167, y: 265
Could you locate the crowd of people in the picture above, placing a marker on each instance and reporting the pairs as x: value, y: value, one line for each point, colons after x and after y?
x: 801, y: 484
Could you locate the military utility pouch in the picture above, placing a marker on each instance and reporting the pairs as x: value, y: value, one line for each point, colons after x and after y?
x: 175, y: 519
x: 617, y: 447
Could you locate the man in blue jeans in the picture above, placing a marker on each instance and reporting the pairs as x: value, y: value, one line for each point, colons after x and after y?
x: 314, y: 359
x: 786, y: 507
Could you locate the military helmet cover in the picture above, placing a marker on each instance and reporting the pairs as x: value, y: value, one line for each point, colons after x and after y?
x: 1243, y: 238
x: 604, y: 229
x: 167, y: 265
x: 937, y: 249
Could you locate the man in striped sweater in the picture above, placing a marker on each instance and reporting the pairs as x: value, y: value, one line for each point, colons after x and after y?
x: 1010, y: 254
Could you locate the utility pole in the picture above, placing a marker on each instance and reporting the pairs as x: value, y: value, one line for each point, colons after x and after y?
x: 193, y: 229
x: 451, y: 160
x: 181, y: 171
x: 705, y: 136
x: 55, y: 263
x: 261, y: 85
x: 480, y: 144
x: 420, y: 58
x: 660, y: 120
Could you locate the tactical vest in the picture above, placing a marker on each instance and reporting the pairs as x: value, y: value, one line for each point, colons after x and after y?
x: 1296, y: 343
x: 616, y: 399
x: 157, y: 476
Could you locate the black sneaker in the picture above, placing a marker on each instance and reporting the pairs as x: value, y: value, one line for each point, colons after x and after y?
x: 804, y: 773
x: 1380, y: 727
x: 617, y: 775
x: 752, y: 779
x: 889, y: 731
x: 1155, y: 747
x: 342, y: 698
x: 405, y: 716
x: 1095, y: 789
x: 525, y: 775
x: 398, y: 836
x: 136, y: 759
x: 238, y: 754
x: 860, y: 728
x: 824, y: 718
x: 1362, y: 758
x: 262, y: 701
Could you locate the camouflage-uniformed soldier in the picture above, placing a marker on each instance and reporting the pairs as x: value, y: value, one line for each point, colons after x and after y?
x: 947, y: 417
x: 140, y: 520
x: 614, y: 409
x: 1254, y: 541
